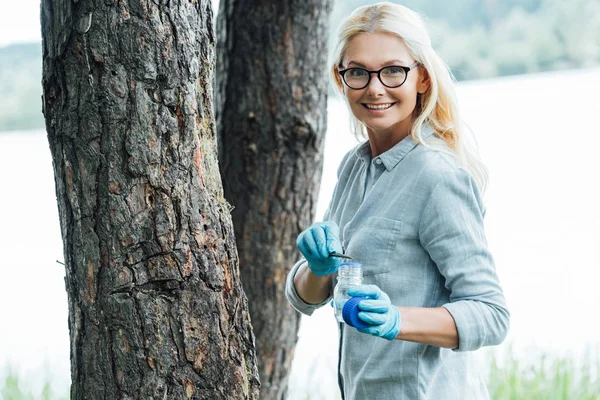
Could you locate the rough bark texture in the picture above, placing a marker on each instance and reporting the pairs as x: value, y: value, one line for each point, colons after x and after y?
x: 156, y: 307
x: 271, y: 120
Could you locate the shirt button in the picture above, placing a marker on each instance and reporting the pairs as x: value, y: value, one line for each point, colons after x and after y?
x: 378, y: 161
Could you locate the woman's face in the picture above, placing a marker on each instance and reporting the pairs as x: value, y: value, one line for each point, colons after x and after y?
x: 374, y: 51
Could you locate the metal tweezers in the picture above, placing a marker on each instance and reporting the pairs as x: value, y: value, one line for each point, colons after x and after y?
x: 334, y: 254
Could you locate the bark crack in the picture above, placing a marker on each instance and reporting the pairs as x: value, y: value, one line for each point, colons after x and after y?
x: 137, y: 306
x: 177, y: 335
x: 111, y: 357
x: 146, y: 259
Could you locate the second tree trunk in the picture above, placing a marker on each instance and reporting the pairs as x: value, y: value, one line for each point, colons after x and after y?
x: 271, y: 119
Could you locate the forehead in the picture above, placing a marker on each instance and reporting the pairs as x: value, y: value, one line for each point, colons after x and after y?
x: 373, y: 50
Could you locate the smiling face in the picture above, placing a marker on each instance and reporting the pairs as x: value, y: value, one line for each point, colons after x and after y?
x: 386, y: 112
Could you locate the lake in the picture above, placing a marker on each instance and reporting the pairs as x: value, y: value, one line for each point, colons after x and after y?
x: 539, y: 137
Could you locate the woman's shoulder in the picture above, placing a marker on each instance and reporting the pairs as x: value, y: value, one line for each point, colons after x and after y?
x: 438, y: 162
x: 351, y: 157
x: 443, y: 177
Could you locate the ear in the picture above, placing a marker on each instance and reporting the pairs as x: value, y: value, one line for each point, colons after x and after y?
x: 340, y: 82
x: 424, y: 80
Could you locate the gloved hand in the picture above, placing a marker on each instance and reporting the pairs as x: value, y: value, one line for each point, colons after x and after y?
x: 316, y: 243
x: 377, y: 311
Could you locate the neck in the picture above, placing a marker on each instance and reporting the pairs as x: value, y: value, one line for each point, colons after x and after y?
x: 383, y: 140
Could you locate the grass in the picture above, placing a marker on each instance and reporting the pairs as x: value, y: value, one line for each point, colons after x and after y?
x: 12, y: 387
x: 544, y: 378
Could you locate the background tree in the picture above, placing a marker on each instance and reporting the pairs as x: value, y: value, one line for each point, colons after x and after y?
x: 271, y: 120
x: 156, y: 307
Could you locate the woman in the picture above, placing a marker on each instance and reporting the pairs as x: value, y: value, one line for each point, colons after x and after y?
x: 407, y: 206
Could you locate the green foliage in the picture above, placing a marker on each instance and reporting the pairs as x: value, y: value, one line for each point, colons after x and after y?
x: 484, y: 39
x: 458, y: 14
x: 12, y: 388
x: 545, y: 378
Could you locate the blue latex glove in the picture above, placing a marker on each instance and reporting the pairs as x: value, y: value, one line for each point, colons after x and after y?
x: 378, y: 311
x: 316, y: 243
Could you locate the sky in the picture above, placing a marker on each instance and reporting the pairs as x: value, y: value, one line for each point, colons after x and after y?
x: 20, y: 21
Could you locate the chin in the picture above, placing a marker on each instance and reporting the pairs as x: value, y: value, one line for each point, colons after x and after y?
x: 379, y: 125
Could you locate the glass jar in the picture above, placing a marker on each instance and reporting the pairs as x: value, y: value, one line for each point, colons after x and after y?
x: 349, y: 274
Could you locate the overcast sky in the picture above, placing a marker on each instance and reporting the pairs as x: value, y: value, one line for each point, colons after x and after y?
x: 20, y: 21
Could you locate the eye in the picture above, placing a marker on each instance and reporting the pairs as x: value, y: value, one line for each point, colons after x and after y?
x: 356, y: 72
x: 393, y: 70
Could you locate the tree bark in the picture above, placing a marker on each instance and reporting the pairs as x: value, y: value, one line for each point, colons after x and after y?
x: 271, y: 101
x: 156, y: 307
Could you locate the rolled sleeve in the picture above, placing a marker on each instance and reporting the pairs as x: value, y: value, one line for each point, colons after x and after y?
x: 292, y: 295
x: 452, y: 232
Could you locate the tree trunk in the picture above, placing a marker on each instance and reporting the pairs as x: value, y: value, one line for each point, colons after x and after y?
x: 156, y: 307
x: 271, y: 121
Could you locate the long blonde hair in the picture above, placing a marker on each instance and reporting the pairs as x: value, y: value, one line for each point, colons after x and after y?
x: 438, y: 106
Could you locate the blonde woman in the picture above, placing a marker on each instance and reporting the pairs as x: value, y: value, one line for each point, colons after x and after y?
x: 408, y: 206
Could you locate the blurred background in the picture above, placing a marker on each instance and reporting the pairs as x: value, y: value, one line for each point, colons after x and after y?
x: 528, y: 76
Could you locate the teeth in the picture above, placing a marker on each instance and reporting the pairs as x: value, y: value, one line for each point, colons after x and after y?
x: 379, y: 106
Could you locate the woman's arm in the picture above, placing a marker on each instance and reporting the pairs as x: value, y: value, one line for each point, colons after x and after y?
x: 432, y: 326
x: 452, y: 232
x: 311, y: 288
x: 291, y: 293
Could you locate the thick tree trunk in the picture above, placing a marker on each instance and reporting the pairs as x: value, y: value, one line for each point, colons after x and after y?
x: 271, y: 120
x: 156, y: 307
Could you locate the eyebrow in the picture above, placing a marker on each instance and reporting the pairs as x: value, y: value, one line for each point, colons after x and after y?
x: 391, y: 62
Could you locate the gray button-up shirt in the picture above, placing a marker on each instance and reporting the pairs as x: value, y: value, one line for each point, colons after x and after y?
x: 414, y: 218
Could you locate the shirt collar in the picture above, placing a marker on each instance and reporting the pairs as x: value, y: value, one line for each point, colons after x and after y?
x: 393, y: 156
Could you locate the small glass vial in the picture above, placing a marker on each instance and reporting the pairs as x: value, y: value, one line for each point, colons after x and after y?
x: 349, y: 274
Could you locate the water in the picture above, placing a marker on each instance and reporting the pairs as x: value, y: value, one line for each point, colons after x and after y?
x: 539, y: 138
x: 33, y: 302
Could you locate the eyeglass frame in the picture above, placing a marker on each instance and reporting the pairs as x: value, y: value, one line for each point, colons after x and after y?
x: 378, y: 72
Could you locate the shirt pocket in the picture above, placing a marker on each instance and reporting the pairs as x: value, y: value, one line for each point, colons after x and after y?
x: 372, y: 244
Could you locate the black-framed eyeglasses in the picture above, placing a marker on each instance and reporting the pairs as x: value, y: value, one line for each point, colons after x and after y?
x: 393, y: 76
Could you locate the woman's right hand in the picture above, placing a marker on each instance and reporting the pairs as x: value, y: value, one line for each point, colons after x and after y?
x: 317, y: 243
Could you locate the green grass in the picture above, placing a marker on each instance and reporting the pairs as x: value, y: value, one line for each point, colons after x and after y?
x: 546, y: 377
x: 13, y: 388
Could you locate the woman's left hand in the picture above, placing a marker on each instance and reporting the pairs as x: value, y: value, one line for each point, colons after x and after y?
x: 377, y: 311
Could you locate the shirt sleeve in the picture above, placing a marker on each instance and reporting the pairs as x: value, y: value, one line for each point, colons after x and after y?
x: 452, y: 232
x: 290, y: 289
x: 292, y: 295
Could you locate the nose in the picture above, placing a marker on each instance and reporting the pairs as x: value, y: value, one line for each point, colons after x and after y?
x: 375, y: 88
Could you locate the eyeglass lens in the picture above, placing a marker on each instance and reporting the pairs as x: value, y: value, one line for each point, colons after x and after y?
x: 358, y: 78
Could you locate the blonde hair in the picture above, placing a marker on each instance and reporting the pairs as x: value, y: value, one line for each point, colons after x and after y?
x: 438, y: 106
